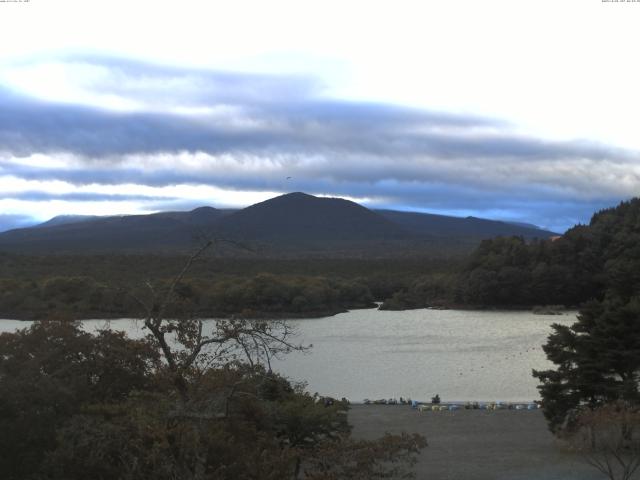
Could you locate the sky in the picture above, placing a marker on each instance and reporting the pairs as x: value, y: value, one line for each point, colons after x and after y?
x: 514, y: 110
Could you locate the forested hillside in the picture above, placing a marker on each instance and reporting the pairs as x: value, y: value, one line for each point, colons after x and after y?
x: 597, y: 359
x: 512, y: 272
x: 568, y: 270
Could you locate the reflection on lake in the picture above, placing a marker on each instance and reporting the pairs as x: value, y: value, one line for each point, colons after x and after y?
x: 461, y: 355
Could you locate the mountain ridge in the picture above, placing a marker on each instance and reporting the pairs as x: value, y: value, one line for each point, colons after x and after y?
x: 296, y: 221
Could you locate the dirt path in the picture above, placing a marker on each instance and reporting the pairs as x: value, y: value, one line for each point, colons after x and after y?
x: 476, y: 444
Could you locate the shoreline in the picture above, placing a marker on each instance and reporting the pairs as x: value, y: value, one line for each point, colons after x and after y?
x: 461, y: 404
x: 297, y: 316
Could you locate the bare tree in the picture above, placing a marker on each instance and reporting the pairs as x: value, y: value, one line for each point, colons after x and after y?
x: 609, y: 439
x: 188, y: 349
x: 192, y: 347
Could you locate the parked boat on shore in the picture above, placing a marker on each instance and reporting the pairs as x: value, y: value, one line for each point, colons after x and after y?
x: 455, y: 405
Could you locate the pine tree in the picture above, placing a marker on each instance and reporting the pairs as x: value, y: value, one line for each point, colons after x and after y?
x: 597, y: 359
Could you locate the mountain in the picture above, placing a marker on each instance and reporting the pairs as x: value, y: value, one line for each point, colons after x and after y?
x: 158, y: 231
x: 298, y: 217
x: 65, y: 220
x: 199, y: 217
x: 446, y: 226
x: 291, y: 224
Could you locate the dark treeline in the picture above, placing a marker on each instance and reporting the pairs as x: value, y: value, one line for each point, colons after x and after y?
x: 260, y: 295
x: 428, y: 290
x: 569, y: 270
x: 106, y: 286
x: 579, y: 266
x: 511, y: 272
x: 130, y: 267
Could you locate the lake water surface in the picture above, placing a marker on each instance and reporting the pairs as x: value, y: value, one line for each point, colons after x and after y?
x: 461, y: 355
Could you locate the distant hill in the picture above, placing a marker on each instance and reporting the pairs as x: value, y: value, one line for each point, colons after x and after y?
x: 159, y: 231
x: 446, y: 226
x: 65, y: 220
x: 294, y: 223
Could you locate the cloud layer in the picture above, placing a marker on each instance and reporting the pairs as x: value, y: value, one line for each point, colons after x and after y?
x: 144, y: 135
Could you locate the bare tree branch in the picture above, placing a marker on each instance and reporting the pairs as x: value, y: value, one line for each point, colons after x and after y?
x: 184, y: 343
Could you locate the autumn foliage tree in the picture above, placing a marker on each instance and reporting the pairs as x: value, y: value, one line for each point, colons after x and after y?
x: 48, y: 373
x: 192, y: 400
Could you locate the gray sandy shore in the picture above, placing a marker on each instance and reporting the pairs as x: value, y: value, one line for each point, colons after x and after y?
x: 476, y: 444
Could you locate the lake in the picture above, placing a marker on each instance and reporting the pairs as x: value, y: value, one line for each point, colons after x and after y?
x: 459, y: 354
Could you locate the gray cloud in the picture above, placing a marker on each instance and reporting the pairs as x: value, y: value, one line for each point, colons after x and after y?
x: 248, y: 131
x: 511, y: 201
x: 257, y: 114
x: 40, y: 196
x: 180, y: 86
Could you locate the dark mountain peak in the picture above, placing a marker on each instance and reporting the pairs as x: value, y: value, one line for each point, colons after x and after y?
x: 301, y: 198
x: 295, y: 195
x: 203, y: 215
x: 300, y: 216
x: 302, y: 203
x: 203, y: 210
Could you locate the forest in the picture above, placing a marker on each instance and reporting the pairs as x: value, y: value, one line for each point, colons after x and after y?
x: 502, y: 272
x: 510, y: 272
x: 100, y: 286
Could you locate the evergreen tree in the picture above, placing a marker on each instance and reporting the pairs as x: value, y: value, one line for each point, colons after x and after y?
x: 597, y: 360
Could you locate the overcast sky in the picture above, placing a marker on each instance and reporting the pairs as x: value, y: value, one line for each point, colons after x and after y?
x: 508, y: 109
